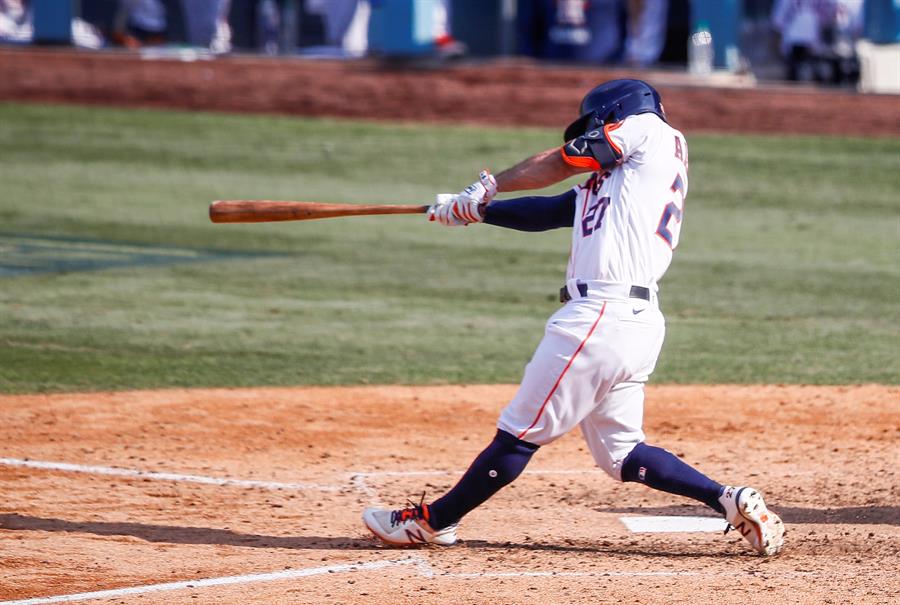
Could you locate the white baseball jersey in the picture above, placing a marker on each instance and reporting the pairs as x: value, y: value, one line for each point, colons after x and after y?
x: 627, y: 220
x: 600, y: 348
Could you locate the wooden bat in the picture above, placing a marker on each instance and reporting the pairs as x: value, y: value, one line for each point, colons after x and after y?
x: 261, y: 211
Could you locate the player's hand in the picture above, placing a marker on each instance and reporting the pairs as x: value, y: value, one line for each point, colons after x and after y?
x: 484, y: 189
x: 442, y: 211
x: 467, y: 206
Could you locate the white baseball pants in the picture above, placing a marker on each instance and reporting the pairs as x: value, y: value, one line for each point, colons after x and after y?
x: 589, y: 370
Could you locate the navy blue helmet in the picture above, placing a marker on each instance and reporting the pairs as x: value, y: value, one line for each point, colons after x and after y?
x: 614, y: 101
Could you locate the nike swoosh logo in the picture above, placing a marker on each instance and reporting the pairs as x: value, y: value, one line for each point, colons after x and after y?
x: 636, y: 311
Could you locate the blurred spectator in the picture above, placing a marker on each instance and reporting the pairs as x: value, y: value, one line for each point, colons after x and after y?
x: 589, y: 31
x: 446, y: 45
x: 817, y: 38
x: 344, y: 23
x: 647, y: 20
x: 140, y: 22
x: 206, y: 23
x: 15, y: 26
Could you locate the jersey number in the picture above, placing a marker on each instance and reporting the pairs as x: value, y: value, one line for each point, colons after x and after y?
x: 666, y: 230
x: 594, y: 216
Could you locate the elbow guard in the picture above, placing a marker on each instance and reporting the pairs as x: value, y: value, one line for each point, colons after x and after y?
x: 594, y: 150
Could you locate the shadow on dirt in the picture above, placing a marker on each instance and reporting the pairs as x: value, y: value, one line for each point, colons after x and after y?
x: 853, y: 515
x: 171, y: 534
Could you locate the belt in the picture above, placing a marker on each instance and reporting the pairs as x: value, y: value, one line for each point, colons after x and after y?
x: 635, y: 292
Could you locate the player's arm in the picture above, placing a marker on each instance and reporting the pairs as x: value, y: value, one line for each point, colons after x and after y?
x: 533, y: 213
x: 593, y: 151
x: 601, y: 149
x: 475, y: 204
x: 540, y: 170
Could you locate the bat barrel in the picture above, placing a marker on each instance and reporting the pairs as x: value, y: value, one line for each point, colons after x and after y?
x: 260, y: 211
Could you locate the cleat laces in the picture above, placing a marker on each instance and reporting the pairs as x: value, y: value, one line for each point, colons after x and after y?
x: 413, y: 512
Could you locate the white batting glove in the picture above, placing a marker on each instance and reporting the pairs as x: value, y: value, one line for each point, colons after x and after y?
x: 442, y: 212
x: 467, y: 206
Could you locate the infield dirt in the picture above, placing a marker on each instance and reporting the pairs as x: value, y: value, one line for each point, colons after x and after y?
x: 825, y: 457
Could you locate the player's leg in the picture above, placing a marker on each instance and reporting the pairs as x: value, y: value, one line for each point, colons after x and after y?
x: 614, y: 434
x: 616, y: 441
x: 495, y: 467
x: 557, y: 391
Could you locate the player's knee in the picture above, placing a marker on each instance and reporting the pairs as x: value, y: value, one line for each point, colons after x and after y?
x: 507, y: 457
x: 612, y: 460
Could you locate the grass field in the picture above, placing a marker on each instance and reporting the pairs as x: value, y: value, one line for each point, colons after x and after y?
x: 111, y: 276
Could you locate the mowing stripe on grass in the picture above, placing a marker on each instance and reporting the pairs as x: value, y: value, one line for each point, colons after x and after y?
x: 22, y: 254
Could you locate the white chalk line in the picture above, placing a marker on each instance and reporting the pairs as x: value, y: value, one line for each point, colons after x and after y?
x: 418, y: 561
x: 290, y: 574
x: 376, y: 474
x: 155, y: 476
x: 357, y: 480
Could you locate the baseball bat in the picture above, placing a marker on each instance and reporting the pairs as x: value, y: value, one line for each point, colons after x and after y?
x: 262, y: 211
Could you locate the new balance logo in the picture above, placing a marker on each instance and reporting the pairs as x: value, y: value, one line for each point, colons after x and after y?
x: 741, y: 527
x: 418, y: 537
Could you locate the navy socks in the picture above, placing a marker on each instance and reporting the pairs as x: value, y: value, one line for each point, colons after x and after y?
x: 506, y: 457
x: 498, y: 465
x: 662, y: 470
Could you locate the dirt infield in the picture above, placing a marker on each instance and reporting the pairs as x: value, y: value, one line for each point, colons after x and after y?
x: 504, y: 93
x: 77, y: 516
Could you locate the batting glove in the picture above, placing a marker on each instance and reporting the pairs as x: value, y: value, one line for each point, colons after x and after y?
x: 465, y: 207
x: 442, y: 212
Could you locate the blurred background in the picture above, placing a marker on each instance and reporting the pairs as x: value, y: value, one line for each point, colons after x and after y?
x: 839, y: 43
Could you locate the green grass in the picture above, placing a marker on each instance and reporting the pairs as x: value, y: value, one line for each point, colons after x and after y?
x: 787, y: 269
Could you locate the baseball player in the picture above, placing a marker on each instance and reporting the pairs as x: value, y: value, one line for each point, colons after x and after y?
x: 601, y: 346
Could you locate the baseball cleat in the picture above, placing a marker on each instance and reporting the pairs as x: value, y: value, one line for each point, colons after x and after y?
x: 407, y: 527
x: 746, y: 512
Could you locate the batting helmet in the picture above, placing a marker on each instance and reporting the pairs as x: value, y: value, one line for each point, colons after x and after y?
x: 614, y: 101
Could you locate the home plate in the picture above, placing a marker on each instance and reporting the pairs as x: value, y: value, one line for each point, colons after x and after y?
x: 673, y: 524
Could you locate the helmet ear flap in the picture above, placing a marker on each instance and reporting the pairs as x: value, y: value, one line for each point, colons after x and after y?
x: 609, y: 118
x: 578, y: 127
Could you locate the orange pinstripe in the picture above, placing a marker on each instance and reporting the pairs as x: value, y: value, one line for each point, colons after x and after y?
x: 566, y: 369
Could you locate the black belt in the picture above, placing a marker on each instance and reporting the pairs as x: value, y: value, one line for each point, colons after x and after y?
x: 635, y: 292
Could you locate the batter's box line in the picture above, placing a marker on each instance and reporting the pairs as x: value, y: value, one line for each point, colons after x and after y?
x: 417, y: 561
x: 358, y: 481
x: 174, y: 477
x: 291, y: 574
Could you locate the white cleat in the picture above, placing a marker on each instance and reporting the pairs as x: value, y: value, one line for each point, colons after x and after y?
x: 407, y: 527
x: 746, y: 512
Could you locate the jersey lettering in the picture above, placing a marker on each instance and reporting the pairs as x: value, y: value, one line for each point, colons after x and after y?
x: 594, y: 183
x: 593, y: 218
x: 668, y: 232
x: 669, y: 235
x: 679, y: 151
